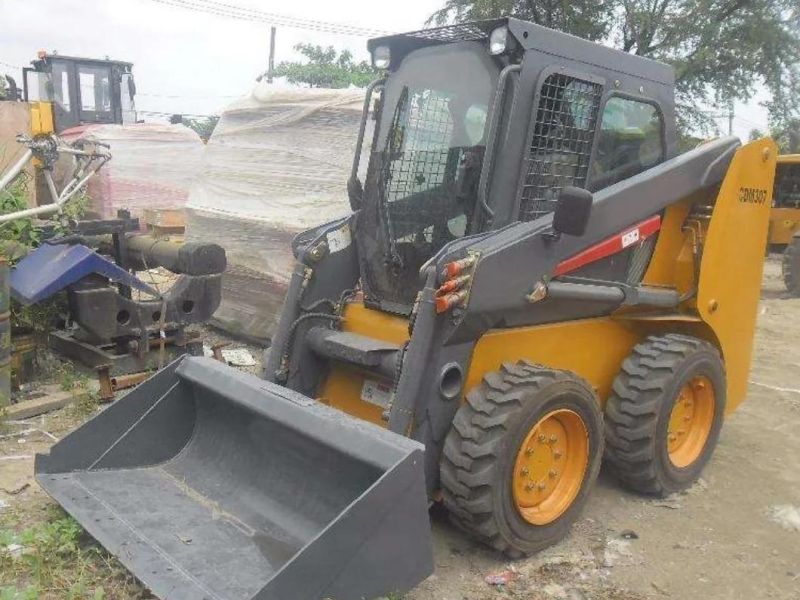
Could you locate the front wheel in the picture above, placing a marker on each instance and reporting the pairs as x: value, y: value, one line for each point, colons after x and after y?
x: 521, y: 457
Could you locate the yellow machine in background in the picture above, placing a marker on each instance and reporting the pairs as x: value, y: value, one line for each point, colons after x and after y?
x: 60, y: 93
x: 42, y: 122
x: 784, y: 221
x: 79, y: 91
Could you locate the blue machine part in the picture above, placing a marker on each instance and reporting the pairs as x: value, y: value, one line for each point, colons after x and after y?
x: 52, y: 267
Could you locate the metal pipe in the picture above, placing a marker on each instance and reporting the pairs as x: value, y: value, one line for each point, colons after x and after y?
x: 11, y: 174
x: 84, y: 181
x: 584, y: 292
x: 192, y: 258
x: 362, y: 128
x: 657, y: 297
x: 60, y: 199
x: 491, y: 140
x: 634, y: 296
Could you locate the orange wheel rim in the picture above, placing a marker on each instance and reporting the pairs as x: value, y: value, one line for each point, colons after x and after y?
x: 550, y: 467
x: 690, y: 421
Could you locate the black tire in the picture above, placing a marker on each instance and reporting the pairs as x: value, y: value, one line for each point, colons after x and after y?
x: 639, y: 409
x: 791, y: 267
x: 480, y: 451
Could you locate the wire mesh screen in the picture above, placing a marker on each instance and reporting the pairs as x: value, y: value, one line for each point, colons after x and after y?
x: 453, y: 33
x: 419, y: 165
x: 566, y: 119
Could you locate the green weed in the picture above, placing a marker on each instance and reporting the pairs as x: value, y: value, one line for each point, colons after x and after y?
x: 57, y: 560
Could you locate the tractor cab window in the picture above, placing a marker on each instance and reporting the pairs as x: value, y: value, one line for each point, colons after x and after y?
x: 631, y: 140
x: 49, y: 86
x: 434, y: 136
x: 94, y: 83
x: 61, y: 91
x: 787, y: 186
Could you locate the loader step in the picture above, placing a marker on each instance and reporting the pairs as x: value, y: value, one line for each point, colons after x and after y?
x: 355, y: 349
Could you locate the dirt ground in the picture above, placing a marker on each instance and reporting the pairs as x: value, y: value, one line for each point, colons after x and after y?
x: 734, y: 535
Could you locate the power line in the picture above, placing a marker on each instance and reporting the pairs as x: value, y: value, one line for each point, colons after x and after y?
x: 5, y: 64
x: 204, y: 97
x: 241, y: 13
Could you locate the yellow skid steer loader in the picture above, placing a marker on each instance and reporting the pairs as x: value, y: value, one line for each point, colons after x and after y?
x: 532, y: 280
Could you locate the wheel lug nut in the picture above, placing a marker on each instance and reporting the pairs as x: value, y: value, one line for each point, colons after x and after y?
x: 553, y: 473
x: 529, y: 451
x: 553, y: 439
x: 542, y: 486
x: 525, y: 470
x: 672, y: 437
x: 557, y: 454
x: 542, y: 438
x: 529, y: 487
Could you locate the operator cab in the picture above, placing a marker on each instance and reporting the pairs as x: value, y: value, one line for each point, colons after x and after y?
x: 82, y: 90
x: 482, y: 125
x: 787, y: 182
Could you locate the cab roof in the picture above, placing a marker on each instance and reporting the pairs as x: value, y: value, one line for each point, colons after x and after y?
x: 81, y: 59
x: 532, y: 37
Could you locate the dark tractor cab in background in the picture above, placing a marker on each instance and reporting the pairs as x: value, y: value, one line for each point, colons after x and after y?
x: 82, y: 90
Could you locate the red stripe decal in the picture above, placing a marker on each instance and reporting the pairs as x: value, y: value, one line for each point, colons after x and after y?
x: 612, y: 245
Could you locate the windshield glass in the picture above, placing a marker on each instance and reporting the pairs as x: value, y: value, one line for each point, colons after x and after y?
x: 432, y: 138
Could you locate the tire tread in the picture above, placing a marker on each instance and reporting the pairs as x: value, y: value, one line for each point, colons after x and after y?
x: 632, y: 410
x: 474, y: 445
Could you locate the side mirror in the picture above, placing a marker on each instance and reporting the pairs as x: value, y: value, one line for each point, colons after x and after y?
x: 573, y: 211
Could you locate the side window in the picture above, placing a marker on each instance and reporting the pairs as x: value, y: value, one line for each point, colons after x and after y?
x: 94, y: 84
x: 631, y: 140
x: 61, y: 86
x: 563, y: 130
x: 787, y: 186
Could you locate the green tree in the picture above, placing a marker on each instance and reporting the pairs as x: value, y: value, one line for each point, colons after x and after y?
x: 326, y: 68
x: 204, y: 126
x: 722, y: 50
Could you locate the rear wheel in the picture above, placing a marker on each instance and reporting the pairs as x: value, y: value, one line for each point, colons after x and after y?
x: 521, y: 457
x: 791, y: 267
x: 665, y: 413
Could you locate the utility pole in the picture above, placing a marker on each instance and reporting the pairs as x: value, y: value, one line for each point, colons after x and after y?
x: 730, y: 118
x: 271, y: 66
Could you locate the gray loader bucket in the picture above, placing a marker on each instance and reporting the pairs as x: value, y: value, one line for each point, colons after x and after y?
x: 211, y: 484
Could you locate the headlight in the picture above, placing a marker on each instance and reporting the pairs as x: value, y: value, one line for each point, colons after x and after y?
x: 381, y: 57
x: 498, y: 41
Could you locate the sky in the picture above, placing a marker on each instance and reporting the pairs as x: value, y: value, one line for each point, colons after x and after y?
x: 194, y: 63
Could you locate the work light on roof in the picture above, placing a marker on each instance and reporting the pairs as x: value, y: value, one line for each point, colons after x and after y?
x: 381, y: 57
x: 498, y: 41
